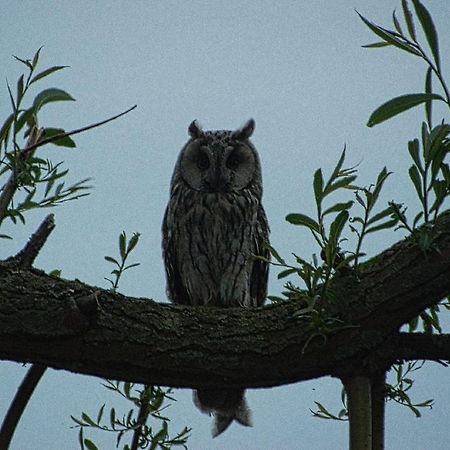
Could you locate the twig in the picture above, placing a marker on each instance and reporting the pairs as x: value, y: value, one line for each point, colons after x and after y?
x: 12, y: 184
x: 79, y: 130
x: 28, y: 254
x: 19, y: 403
x: 141, y: 420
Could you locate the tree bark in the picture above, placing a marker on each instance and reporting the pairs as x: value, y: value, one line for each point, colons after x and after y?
x: 72, y: 326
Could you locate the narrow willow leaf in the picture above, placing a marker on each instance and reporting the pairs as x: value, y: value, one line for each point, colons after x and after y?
x: 50, y: 95
x: 19, y: 89
x: 413, y: 148
x: 46, y: 72
x: 100, y: 413
x: 376, y: 45
x: 429, y: 29
x: 89, y: 444
x: 389, y: 37
x: 112, y: 260
x: 65, y: 141
x: 303, y: 220
x: 428, y: 89
x: 397, y: 105
x: 382, y: 177
x: 23, y: 61
x: 122, y: 249
x: 415, y: 178
x: 381, y: 215
x: 409, y: 20
x: 382, y: 226
x: 318, y: 186
x: 25, y: 117
x: 133, y: 242
x: 338, y: 167
x: 396, y: 23
x: 426, y: 143
x: 338, y: 207
x: 417, y: 218
x: 345, y: 182
x: 338, y: 225
x: 36, y: 57
x: 285, y: 273
x: 11, y: 97
x: 4, y: 130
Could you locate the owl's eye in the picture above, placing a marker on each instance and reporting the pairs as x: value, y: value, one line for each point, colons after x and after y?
x: 202, y: 161
x: 233, y: 161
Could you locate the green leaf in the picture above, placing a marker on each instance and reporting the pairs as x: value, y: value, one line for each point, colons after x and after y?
x: 65, y: 141
x: 49, y: 96
x: 274, y: 253
x: 19, y: 89
x: 36, y: 57
x: 381, y: 215
x: 382, y: 177
x: 376, y: 45
x: 24, y: 61
x: 338, y: 207
x: 415, y: 178
x: 389, y: 37
x: 133, y: 242
x: 409, y: 20
x: 345, y: 182
x: 100, y: 413
x: 303, y: 220
x: 27, y: 116
x: 46, y: 72
x: 318, y: 186
x: 122, y: 245
x: 87, y: 419
x: 388, y: 224
x: 285, y: 273
x: 338, y: 225
x: 396, y: 23
x: 428, y: 89
x: 429, y: 29
x: 413, y: 148
x: 89, y: 444
x: 112, y: 260
x: 4, y: 131
x: 397, y: 105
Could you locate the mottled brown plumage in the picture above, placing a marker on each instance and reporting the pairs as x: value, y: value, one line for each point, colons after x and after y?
x: 213, y: 226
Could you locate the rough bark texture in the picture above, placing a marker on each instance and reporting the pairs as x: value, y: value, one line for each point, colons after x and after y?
x: 69, y: 325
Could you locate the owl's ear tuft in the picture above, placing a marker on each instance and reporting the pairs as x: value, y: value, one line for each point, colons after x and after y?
x: 195, y: 129
x: 245, y: 131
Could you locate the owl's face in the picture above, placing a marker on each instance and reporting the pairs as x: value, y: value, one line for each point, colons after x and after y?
x: 219, y: 161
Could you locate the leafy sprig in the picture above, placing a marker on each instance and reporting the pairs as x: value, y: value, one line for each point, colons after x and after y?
x: 125, y: 249
x: 148, y: 402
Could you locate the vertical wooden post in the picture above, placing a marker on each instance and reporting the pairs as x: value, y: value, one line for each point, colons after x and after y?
x: 378, y: 411
x: 359, y: 395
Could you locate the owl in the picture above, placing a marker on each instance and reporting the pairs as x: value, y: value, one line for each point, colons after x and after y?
x: 213, y: 227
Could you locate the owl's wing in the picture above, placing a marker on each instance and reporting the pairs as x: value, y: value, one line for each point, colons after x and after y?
x: 175, y: 290
x: 260, y: 269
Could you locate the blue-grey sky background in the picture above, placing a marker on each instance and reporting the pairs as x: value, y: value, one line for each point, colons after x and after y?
x: 297, y: 68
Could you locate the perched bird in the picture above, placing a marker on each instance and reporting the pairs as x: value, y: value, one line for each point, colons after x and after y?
x: 213, y: 227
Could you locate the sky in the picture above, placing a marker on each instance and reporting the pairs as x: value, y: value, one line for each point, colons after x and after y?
x: 297, y: 68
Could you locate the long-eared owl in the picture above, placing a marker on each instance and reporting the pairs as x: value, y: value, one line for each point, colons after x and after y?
x: 213, y: 227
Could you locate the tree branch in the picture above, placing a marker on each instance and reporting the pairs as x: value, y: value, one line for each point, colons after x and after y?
x: 179, y: 346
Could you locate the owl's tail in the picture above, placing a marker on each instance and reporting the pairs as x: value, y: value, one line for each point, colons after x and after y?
x: 225, y: 405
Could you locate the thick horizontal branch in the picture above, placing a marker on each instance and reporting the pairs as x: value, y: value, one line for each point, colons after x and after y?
x: 69, y: 325
x: 416, y: 346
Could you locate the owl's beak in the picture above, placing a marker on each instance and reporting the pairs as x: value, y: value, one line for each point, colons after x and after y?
x: 217, y: 181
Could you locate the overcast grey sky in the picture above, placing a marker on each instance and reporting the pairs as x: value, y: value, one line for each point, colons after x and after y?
x: 297, y: 68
